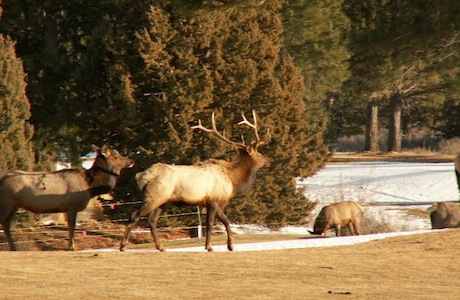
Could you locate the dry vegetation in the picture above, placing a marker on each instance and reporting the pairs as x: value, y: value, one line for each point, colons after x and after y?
x: 421, y: 266
x: 410, y: 156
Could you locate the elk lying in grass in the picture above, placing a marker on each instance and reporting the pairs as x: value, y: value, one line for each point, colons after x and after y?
x: 337, y: 215
x: 444, y: 215
x: 211, y: 183
x: 67, y: 191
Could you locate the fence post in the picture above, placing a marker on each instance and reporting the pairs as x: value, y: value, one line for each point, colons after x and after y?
x: 200, y: 230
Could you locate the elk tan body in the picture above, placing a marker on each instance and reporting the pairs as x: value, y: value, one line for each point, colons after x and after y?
x: 337, y: 215
x: 67, y: 191
x: 444, y: 215
x: 211, y: 183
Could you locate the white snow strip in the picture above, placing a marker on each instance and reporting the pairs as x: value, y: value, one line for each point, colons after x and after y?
x: 282, y: 245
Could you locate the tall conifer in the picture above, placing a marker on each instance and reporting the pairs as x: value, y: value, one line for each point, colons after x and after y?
x: 15, y: 131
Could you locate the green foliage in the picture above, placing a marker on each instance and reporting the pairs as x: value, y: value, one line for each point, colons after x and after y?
x: 448, y: 120
x: 404, y: 50
x: 138, y: 75
x: 15, y: 131
x: 315, y: 35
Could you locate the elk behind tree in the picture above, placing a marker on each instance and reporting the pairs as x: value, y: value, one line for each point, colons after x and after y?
x: 211, y: 183
x: 67, y: 191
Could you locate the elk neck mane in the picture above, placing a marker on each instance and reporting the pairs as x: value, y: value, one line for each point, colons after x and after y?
x: 100, y: 177
x: 241, y: 170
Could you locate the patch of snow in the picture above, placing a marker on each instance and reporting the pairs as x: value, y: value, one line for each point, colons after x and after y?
x: 287, y: 244
x: 302, y: 243
x: 385, y: 189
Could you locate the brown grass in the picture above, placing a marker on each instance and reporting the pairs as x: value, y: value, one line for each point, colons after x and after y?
x: 408, y: 156
x: 422, y: 266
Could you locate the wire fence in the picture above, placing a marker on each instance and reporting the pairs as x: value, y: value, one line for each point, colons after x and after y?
x: 44, y: 236
x: 41, y: 230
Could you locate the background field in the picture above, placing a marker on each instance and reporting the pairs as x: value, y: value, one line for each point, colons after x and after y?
x: 422, y: 266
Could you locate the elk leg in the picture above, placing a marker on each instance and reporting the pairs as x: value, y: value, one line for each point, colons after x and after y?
x: 145, y: 209
x: 223, y: 218
x: 212, y: 208
x: 152, y: 220
x: 338, y: 228
x: 357, y: 226
x: 135, y: 217
x: 7, y: 229
x: 71, y: 221
x: 325, y: 231
x: 351, y: 228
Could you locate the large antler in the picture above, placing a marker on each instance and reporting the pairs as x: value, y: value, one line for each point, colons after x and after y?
x: 254, y: 125
x: 258, y: 142
x: 217, y: 133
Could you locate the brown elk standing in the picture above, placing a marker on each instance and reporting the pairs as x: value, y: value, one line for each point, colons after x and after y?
x: 67, y: 191
x: 211, y: 183
x: 337, y: 215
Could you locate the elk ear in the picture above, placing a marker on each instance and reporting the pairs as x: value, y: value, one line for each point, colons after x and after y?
x: 106, y: 151
x: 250, y: 149
x: 96, y: 149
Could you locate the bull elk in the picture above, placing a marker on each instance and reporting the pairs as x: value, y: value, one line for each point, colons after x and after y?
x: 210, y: 183
x: 67, y: 191
x: 337, y: 215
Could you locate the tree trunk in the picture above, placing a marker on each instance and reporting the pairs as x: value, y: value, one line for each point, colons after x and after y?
x: 372, y: 129
x: 394, y: 125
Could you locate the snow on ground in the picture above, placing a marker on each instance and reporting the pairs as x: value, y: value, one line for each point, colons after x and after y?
x: 386, y: 189
x: 301, y: 243
x: 282, y: 245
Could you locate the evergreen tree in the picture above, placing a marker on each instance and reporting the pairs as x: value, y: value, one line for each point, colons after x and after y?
x: 404, y: 52
x: 227, y: 59
x: 448, y: 121
x: 15, y: 131
x: 315, y: 34
x: 183, y: 62
x: 138, y: 75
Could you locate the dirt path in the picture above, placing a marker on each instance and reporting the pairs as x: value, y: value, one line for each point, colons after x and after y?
x: 422, y: 266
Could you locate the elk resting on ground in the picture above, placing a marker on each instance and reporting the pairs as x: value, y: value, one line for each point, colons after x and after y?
x: 444, y: 215
x: 67, y: 191
x: 210, y: 183
x: 337, y: 215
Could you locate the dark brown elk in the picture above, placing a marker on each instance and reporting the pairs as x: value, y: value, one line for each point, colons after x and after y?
x: 210, y: 183
x: 67, y: 191
x: 444, y: 215
x: 337, y: 215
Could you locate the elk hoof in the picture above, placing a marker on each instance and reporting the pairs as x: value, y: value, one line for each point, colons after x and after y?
x: 122, y: 248
x: 209, y: 249
x: 230, y: 247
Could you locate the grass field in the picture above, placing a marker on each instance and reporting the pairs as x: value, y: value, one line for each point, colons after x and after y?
x: 422, y: 266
